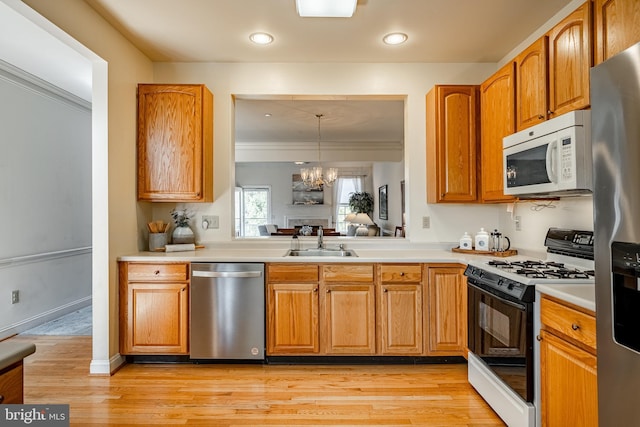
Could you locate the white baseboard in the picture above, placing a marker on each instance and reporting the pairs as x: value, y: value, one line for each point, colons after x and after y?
x: 106, y: 367
x: 44, y: 317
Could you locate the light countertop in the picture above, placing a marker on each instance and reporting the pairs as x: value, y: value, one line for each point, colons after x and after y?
x: 375, y: 250
x: 581, y: 295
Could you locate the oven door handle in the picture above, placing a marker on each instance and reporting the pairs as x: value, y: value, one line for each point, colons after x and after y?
x: 502, y: 300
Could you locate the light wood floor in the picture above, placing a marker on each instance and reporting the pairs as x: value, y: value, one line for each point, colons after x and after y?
x: 249, y: 395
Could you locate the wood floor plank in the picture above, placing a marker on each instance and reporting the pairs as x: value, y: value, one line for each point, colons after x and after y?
x: 249, y: 395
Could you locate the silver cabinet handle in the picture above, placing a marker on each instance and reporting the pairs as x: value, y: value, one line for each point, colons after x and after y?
x: 575, y: 327
x: 227, y: 274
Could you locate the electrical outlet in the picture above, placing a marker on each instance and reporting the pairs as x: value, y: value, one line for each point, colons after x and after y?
x: 212, y: 221
x: 518, y: 223
x: 426, y: 222
x: 15, y: 297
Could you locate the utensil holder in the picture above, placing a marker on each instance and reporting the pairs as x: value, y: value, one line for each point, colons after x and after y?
x: 157, y: 241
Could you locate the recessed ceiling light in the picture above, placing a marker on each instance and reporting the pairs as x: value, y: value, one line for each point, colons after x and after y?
x: 395, y: 38
x: 326, y: 8
x: 261, y: 38
x: 267, y: 114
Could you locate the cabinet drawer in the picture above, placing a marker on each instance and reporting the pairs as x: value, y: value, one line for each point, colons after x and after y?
x: 137, y: 272
x: 569, y: 322
x: 11, y: 384
x: 291, y: 273
x: 348, y: 273
x: 401, y: 273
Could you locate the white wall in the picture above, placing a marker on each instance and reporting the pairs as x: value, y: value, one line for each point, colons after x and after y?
x: 118, y: 67
x: 389, y: 174
x: 45, y: 194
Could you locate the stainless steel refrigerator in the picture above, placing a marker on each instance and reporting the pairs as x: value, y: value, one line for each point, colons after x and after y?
x: 615, y: 125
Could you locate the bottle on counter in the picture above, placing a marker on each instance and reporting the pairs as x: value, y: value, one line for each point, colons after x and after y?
x: 482, y: 240
x: 466, y: 242
x: 295, y: 243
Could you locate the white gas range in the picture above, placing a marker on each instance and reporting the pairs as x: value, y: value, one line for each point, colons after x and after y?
x: 503, y: 357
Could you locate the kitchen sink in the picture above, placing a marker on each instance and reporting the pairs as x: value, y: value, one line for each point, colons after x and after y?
x: 321, y: 252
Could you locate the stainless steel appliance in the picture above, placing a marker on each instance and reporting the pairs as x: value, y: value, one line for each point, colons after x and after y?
x: 503, y: 355
x: 615, y: 100
x: 553, y: 157
x: 227, y: 311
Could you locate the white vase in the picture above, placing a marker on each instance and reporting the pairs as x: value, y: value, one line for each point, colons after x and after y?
x: 183, y: 235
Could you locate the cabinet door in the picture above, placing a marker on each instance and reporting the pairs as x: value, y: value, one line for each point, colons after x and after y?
x: 348, y: 319
x: 157, y: 318
x: 570, y: 60
x: 498, y: 118
x: 447, y: 305
x: 531, y: 84
x: 569, y: 384
x: 617, y: 27
x: 400, y: 319
x: 292, y: 323
x: 175, y: 143
x: 452, y: 144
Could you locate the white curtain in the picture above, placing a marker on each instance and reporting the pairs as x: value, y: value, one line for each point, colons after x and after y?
x: 345, y: 185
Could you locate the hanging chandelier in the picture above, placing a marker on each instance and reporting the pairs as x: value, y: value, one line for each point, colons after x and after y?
x: 313, y: 177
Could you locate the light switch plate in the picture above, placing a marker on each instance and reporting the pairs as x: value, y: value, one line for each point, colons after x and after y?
x: 426, y: 222
x: 213, y: 221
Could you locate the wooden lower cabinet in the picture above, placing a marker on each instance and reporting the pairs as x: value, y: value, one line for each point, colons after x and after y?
x: 347, y: 304
x: 400, y: 320
x: 446, y: 304
x: 11, y: 384
x: 366, y: 309
x: 292, y: 309
x: 154, y: 308
x: 568, y: 362
x: 292, y: 318
x: 348, y: 313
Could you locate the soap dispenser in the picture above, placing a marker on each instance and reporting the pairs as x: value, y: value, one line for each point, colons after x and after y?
x: 465, y: 242
x: 482, y: 240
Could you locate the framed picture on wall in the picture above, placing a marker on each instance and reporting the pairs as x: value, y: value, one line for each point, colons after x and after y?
x: 382, y: 202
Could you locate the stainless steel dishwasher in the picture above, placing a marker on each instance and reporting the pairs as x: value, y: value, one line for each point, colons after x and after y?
x: 227, y: 311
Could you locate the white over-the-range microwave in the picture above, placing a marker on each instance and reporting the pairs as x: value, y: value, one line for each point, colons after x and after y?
x: 552, y: 158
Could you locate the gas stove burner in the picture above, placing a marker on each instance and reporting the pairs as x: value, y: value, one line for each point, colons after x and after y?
x: 529, y: 264
x: 554, y: 264
x: 498, y: 263
x: 530, y: 272
x: 563, y: 273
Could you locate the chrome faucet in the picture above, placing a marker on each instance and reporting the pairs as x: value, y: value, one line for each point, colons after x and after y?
x: 320, y: 241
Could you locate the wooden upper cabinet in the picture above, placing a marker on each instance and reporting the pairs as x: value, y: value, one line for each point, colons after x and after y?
x: 570, y: 59
x: 452, y: 143
x: 498, y: 118
x: 175, y: 143
x: 531, y: 84
x: 616, y: 25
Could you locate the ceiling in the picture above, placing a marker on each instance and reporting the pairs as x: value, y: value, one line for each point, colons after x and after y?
x: 457, y: 31
x: 218, y: 30
x: 290, y: 119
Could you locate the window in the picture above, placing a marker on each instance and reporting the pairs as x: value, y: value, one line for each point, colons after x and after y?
x: 253, y: 208
x: 344, y: 187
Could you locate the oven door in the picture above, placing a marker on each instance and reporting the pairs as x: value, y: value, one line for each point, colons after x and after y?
x: 501, y: 335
